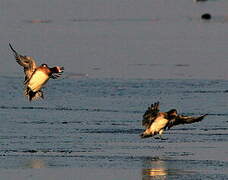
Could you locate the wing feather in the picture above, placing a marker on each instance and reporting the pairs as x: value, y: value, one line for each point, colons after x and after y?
x: 25, y: 61
x: 180, y: 119
x: 150, y: 115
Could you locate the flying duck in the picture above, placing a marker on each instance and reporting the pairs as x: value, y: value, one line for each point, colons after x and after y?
x: 157, y: 122
x: 35, y: 77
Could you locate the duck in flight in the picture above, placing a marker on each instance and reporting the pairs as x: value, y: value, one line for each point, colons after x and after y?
x: 35, y: 77
x: 157, y: 122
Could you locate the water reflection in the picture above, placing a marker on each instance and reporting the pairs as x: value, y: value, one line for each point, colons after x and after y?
x: 39, y: 21
x: 155, y: 169
x: 159, y: 168
x: 36, y: 164
x: 154, y: 173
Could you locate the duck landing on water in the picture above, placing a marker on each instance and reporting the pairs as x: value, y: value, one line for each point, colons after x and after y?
x: 157, y: 122
x: 35, y: 77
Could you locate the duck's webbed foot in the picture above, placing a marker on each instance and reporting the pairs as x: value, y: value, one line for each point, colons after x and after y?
x: 157, y: 137
x: 163, y: 138
x: 160, y: 137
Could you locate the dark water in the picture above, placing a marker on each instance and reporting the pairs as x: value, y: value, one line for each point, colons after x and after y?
x: 95, y: 123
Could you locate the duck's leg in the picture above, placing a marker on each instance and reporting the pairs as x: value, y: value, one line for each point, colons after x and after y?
x: 160, y: 135
x: 157, y: 137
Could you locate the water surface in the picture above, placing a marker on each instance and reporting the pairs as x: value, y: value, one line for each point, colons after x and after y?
x: 94, y: 124
x: 119, y: 57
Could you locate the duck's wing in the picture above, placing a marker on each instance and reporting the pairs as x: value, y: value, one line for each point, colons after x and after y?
x: 27, y: 62
x: 150, y: 115
x: 180, y: 119
x: 33, y: 95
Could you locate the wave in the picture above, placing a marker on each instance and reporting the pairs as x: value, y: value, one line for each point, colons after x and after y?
x: 65, y: 109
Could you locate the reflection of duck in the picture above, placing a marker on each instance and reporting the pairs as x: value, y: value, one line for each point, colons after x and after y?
x: 35, y: 77
x: 157, y: 122
x: 36, y: 164
x: 156, y: 170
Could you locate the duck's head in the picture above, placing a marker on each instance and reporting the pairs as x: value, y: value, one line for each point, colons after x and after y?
x: 44, y: 65
x: 172, y: 113
x: 57, y: 69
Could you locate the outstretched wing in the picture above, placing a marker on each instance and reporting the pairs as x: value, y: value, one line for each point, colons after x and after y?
x: 150, y: 115
x: 180, y: 119
x: 25, y: 61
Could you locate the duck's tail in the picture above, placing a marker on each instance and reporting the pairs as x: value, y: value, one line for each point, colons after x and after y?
x: 33, y: 95
x: 147, y: 134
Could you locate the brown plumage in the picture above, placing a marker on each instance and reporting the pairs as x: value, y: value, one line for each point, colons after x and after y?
x: 35, y: 77
x: 157, y: 122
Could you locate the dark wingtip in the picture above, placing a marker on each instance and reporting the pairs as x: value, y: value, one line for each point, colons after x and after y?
x: 12, y: 48
x: 204, y: 115
x: 155, y: 105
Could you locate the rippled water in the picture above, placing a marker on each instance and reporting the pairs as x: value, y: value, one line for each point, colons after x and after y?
x: 95, y: 123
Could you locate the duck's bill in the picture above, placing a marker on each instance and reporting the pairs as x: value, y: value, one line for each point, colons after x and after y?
x: 57, y: 72
x: 58, y: 69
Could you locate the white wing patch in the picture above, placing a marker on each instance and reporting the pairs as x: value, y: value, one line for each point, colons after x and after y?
x: 38, y: 79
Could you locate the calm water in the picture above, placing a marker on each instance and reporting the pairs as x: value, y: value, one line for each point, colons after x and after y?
x: 119, y: 38
x: 119, y: 57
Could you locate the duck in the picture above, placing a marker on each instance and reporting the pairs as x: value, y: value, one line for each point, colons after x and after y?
x: 157, y: 122
x: 35, y: 76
